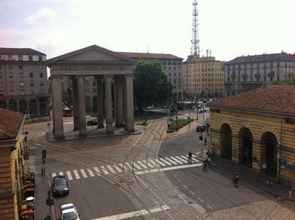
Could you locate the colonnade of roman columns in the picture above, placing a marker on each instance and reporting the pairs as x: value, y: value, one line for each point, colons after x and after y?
x: 115, y: 104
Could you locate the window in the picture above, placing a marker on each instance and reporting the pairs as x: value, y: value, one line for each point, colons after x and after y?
x: 10, y: 76
x: 35, y: 58
x: 20, y: 67
x: 31, y: 75
x: 41, y: 84
x: 32, y: 84
x: 25, y: 58
x: 41, y: 75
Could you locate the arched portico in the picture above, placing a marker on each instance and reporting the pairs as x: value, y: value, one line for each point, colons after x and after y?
x: 226, y: 141
x: 109, y: 69
x: 246, y: 146
x: 269, y: 153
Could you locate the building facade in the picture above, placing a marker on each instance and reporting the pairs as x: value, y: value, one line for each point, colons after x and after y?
x: 256, y: 129
x: 172, y: 67
x: 249, y: 72
x: 23, y: 81
x: 12, y: 143
x: 203, y: 77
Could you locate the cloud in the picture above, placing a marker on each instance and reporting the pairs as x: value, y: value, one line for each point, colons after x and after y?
x: 44, y: 15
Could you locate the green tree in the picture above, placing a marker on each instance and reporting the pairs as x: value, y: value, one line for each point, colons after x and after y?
x: 151, y: 85
x: 285, y: 82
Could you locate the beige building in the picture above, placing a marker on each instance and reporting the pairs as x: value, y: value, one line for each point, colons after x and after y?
x: 203, y: 77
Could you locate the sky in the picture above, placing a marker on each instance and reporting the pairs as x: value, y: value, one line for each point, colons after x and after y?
x: 229, y: 28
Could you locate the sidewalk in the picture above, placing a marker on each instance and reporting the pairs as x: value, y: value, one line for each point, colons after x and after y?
x: 257, y: 182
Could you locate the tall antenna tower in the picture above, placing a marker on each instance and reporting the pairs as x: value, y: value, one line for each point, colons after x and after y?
x: 195, y: 50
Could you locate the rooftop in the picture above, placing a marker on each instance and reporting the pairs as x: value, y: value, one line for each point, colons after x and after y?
x: 19, y: 51
x: 160, y: 56
x: 264, y: 58
x: 9, y: 123
x: 278, y: 99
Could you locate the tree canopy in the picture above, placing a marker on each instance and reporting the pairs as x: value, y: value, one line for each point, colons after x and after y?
x: 151, y: 85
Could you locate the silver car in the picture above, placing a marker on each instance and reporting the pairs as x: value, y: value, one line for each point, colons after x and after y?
x: 69, y: 212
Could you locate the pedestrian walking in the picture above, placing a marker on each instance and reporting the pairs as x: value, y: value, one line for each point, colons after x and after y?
x: 43, y: 171
x: 205, y: 141
x: 236, y: 179
x: 190, y: 157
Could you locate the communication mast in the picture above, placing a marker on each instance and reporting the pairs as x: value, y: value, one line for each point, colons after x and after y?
x: 195, y: 50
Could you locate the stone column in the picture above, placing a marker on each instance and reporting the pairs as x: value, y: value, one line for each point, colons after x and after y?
x: 57, y: 105
x: 119, y: 102
x: 109, y: 104
x: 75, y: 103
x: 81, y: 107
x: 100, y: 102
x: 129, y: 103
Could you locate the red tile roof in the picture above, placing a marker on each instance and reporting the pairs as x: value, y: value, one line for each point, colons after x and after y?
x: 9, y: 123
x: 160, y: 56
x: 278, y: 99
x: 19, y: 51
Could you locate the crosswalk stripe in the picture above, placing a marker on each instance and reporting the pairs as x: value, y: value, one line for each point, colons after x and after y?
x: 142, y: 164
x: 121, y: 166
x: 76, y: 174
x: 69, y: 175
x: 160, y: 162
x: 184, y: 157
x: 196, y: 160
x: 117, y: 168
x: 176, y: 160
x: 97, y: 171
x: 166, y: 162
x: 90, y: 172
x: 171, y: 161
x: 153, y: 163
x: 111, y: 168
x: 84, y: 174
x: 128, y: 165
x: 147, y: 162
x: 53, y: 175
x: 136, y: 166
x: 179, y: 158
x: 104, y: 170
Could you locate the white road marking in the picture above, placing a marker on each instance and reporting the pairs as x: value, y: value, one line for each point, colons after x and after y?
x: 153, y: 163
x: 111, y: 168
x: 199, y: 208
x: 76, y: 174
x: 90, y: 172
x: 176, y: 160
x: 161, y: 163
x: 136, y: 166
x: 104, y: 170
x: 128, y: 165
x: 129, y: 215
x: 148, y: 163
x: 183, y: 160
x: 84, y: 174
x: 167, y: 169
x: 117, y: 168
x: 97, y: 171
x: 69, y: 175
x: 166, y: 162
x: 142, y: 164
x: 171, y: 161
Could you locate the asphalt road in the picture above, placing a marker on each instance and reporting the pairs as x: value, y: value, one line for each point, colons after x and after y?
x: 209, y: 189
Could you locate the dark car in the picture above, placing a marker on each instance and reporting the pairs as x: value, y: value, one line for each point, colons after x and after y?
x: 201, y: 128
x: 92, y: 122
x: 60, y: 186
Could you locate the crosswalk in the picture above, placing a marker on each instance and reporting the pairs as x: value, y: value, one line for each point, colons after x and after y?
x: 141, y: 165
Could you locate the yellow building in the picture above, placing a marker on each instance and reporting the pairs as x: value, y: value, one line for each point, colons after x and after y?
x: 257, y: 129
x: 203, y: 77
x: 11, y: 164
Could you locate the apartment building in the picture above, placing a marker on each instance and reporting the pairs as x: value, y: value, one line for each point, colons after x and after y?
x: 203, y: 77
x: 23, y: 81
x: 249, y: 72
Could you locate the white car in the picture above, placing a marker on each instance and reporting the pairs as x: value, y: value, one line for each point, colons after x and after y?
x: 69, y: 212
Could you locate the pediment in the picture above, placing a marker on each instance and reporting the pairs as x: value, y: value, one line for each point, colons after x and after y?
x: 92, y: 53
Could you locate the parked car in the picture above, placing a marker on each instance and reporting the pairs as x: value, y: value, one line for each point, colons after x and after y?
x: 60, y: 186
x: 69, y: 212
x: 92, y: 122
